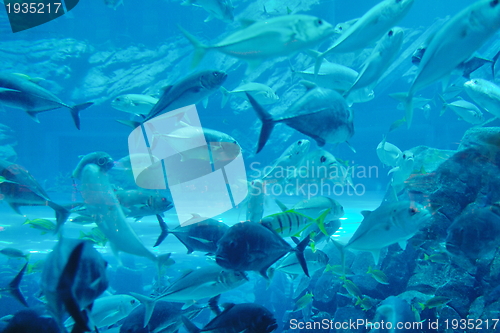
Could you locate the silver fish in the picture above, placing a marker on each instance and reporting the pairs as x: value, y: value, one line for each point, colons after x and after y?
x: 219, y: 9
x: 454, y: 43
x: 275, y: 37
x: 484, y: 93
x: 465, y: 110
x: 134, y: 103
x: 388, y: 224
x: 260, y: 92
x: 18, y: 92
x: 369, y: 28
x: 287, y: 161
x: 321, y: 114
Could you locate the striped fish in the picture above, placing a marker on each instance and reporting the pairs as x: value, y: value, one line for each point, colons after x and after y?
x: 291, y: 223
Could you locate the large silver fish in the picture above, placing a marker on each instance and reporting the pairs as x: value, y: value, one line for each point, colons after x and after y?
x: 388, y: 224
x: 262, y: 93
x: 219, y: 9
x: 321, y: 114
x: 369, y: 28
x: 454, y: 43
x: 20, y: 189
x: 190, y: 90
x: 17, y: 91
x: 484, y: 93
x: 275, y: 37
x: 74, y: 275
x: 134, y: 103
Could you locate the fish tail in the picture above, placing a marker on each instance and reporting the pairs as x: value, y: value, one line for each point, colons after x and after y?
x: 321, y: 221
x: 14, y: 287
x: 130, y: 123
x: 267, y: 122
x: 65, y: 286
x: 225, y: 96
x: 317, y: 65
x: 149, y: 304
x: 445, y: 105
x: 75, y: 112
x: 61, y: 215
x: 299, y: 252
x: 199, y: 49
x: 164, y: 230
x: 33, y: 115
x: 191, y: 328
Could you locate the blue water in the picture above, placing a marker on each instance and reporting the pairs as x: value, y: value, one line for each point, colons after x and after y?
x: 51, y: 149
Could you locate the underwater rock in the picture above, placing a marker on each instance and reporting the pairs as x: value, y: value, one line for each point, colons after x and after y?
x: 347, y: 314
x: 448, y: 315
x: 428, y: 159
x: 480, y: 136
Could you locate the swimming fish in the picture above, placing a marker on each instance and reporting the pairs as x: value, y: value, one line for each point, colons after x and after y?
x: 368, y: 28
x: 13, y: 287
x: 454, y: 43
x: 99, y: 158
x: 388, y: 224
x: 378, y: 275
x: 113, y: 4
x: 74, y: 275
x: 245, y: 317
x: 29, y: 321
x: 204, y: 282
x: 388, y: 153
x: 435, y: 302
x: 23, y: 190
x: 303, y: 301
x: 134, y: 103
x: 21, y: 93
x: 14, y: 253
x: 379, y: 60
x: 291, y: 223
x: 484, y: 93
x: 219, y: 9
x: 260, y: 92
x: 41, y: 224
x: 275, y: 37
x: 251, y: 246
x: 320, y: 113
x: 287, y: 161
x: 465, y: 110
x: 95, y: 236
x: 139, y: 203
x: 316, y: 206
x: 315, y: 261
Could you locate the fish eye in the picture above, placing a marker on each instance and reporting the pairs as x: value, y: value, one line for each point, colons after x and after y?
x: 319, y: 22
x: 391, y: 32
x: 412, y: 211
x: 215, y: 74
x: 102, y: 161
x: 404, y: 155
x: 494, y: 3
x: 322, y: 159
x: 118, y: 99
x: 299, y: 143
x: 133, y: 301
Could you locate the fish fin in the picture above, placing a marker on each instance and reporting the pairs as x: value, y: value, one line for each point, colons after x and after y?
x: 190, y: 327
x: 299, y: 252
x: 205, y: 103
x: 65, y: 284
x: 225, y: 96
x: 351, y: 147
x: 397, y: 124
x: 376, y: 256
x: 75, y: 112
x: 401, y: 96
x: 267, y: 122
x: 61, y: 215
x: 33, y: 115
x: 263, y: 272
x: 199, y: 49
x: 129, y: 123
x: 281, y: 205
x: 445, y: 105
x: 402, y: 244
x: 308, y: 84
x: 252, y: 66
x: 149, y: 304
x: 164, y: 231
x: 321, y: 221
x: 365, y: 213
x: 213, y: 303
x: 320, y: 141
x: 209, y: 18
x: 245, y: 23
x: 14, y: 286
x: 2, y: 90
x: 15, y: 207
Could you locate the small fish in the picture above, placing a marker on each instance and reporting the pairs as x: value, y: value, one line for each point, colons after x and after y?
x: 288, y: 160
x: 441, y: 257
x: 113, y: 4
x: 435, y: 302
x: 291, y: 223
x: 13, y: 287
x: 251, y: 246
x: 95, y: 236
x: 139, y: 203
x: 351, y: 288
x: 303, y: 301
x: 21, y: 93
x: 465, y: 110
x: 41, y: 224
x: 134, y: 103
x: 260, y: 92
x: 379, y: 60
x: 35, y: 267
x: 14, y: 253
x: 485, y: 93
x: 454, y: 43
x: 219, y: 9
x: 275, y: 37
x: 378, y: 275
x: 388, y: 153
x: 320, y: 113
x: 82, y: 219
x: 23, y: 190
x: 339, y: 270
x: 388, y: 224
x: 365, y: 303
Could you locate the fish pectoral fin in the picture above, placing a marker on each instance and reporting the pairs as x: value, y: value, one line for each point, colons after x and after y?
x: 3, y: 90
x: 149, y: 304
x: 403, y: 244
x: 376, y: 256
x: 15, y: 207
x: 205, y: 103
x: 201, y: 240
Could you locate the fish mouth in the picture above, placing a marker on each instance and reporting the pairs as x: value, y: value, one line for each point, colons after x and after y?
x: 221, y: 261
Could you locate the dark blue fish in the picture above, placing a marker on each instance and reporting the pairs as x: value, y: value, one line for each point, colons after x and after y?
x: 19, y: 92
x: 250, y: 246
x: 21, y: 189
x: 29, y: 321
